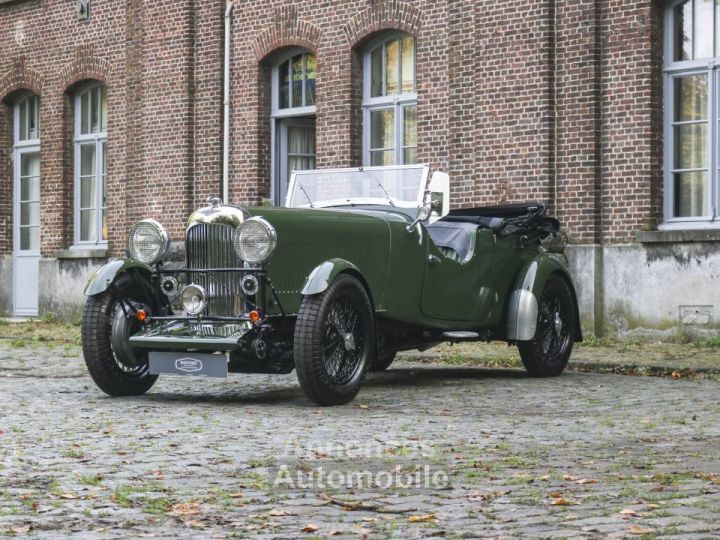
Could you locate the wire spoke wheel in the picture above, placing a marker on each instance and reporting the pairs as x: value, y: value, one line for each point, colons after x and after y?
x: 548, y: 352
x: 335, y: 341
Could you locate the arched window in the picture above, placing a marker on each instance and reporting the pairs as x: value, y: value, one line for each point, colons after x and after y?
x: 390, y: 101
x: 292, y: 118
x: 91, y: 164
x: 692, y: 132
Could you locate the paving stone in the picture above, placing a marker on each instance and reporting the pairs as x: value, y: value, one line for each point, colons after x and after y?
x: 197, y: 458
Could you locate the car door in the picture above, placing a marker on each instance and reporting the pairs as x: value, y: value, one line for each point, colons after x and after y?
x: 474, y: 290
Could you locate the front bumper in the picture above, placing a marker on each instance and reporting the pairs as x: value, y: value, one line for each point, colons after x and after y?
x: 193, y: 336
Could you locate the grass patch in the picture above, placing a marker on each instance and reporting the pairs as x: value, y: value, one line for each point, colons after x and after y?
x: 50, y: 332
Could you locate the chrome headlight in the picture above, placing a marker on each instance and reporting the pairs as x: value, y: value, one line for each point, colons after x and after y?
x: 254, y: 240
x: 149, y: 241
x: 193, y: 299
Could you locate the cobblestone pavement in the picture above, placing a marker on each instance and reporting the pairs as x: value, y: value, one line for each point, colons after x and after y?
x: 583, y: 455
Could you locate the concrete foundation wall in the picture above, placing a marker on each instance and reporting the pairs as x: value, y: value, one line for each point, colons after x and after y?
x: 61, y: 285
x: 656, y: 291
x: 6, y: 285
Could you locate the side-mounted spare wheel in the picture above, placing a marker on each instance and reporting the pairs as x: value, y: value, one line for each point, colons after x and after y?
x: 117, y: 369
x: 547, y: 354
x: 335, y: 341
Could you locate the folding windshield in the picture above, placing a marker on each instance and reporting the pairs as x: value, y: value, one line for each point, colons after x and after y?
x: 401, y: 186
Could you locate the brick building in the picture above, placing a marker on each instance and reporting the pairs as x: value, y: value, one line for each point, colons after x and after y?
x: 113, y: 111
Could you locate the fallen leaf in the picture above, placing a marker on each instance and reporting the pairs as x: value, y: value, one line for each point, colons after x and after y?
x: 569, y: 478
x: 68, y: 496
x: 335, y: 532
x: 369, y: 519
x: 276, y: 512
x: 584, y: 481
x: 185, y: 509
x: 363, y: 406
x: 561, y: 501
x: 628, y: 512
x: 21, y: 529
x: 362, y: 531
x: 422, y: 519
x: 636, y: 529
x: 237, y: 495
x: 310, y: 528
x: 194, y: 524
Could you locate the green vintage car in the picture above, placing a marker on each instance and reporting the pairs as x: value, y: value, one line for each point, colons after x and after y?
x: 360, y: 264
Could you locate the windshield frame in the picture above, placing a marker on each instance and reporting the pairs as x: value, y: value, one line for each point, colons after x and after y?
x: 296, y: 182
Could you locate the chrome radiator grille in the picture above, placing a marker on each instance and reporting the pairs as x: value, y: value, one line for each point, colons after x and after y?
x: 208, y: 246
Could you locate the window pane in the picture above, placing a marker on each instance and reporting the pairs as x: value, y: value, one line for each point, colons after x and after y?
x: 376, y: 67
x: 87, y: 225
x: 85, y: 113
x: 87, y: 192
x: 87, y: 159
x: 284, y: 85
x: 296, y: 163
x: 691, y: 98
x: 301, y: 140
x: 690, y: 146
x: 30, y: 238
x: 30, y: 189
x: 33, y: 117
x: 95, y: 105
x: 392, y: 67
x: 703, y: 28
x: 30, y: 213
x: 22, y: 120
x: 410, y: 125
x: 683, y: 31
x: 103, y: 151
x: 310, y: 74
x: 297, y: 80
x: 408, y: 64
x: 382, y: 129
x: 382, y: 157
x: 29, y: 165
x: 104, y: 110
x: 691, y: 194
x: 410, y: 156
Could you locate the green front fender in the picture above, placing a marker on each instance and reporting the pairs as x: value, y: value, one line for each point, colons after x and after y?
x: 523, y: 303
x: 324, y: 274
x: 103, y: 277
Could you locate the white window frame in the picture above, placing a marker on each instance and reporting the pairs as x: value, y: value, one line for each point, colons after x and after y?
x: 397, y: 102
x: 20, y: 147
x: 100, y: 140
x: 672, y: 70
x: 276, y: 113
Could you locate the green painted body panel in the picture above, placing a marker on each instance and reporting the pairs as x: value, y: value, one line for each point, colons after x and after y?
x: 408, y: 277
x: 103, y: 277
x: 307, y: 238
x: 535, y: 273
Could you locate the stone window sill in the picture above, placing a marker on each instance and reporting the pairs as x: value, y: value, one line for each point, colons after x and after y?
x: 82, y: 253
x: 678, y: 236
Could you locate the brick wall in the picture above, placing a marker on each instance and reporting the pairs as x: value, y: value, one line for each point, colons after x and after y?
x: 556, y: 101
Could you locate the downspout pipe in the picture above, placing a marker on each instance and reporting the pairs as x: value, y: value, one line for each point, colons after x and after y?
x: 226, y: 104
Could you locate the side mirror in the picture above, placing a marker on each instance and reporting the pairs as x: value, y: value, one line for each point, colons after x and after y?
x: 422, y: 215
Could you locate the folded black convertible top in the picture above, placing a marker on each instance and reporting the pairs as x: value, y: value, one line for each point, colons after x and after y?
x: 518, y: 218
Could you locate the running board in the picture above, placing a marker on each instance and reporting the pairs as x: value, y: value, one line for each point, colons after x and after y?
x: 461, y: 335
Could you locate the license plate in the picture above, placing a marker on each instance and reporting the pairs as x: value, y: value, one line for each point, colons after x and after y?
x: 196, y: 364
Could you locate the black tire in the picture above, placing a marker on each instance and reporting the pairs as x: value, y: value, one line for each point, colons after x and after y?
x: 124, y: 373
x: 330, y: 364
x: 383, y: 361
x: 547, y: 354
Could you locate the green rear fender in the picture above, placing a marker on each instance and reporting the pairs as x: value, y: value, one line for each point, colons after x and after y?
x: 324, y: 274
x: 104, y: 276
x: 523, y: 303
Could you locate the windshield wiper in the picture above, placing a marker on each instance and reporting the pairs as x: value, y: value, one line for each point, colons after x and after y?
x: 387, y: 196
x: 306, y: 195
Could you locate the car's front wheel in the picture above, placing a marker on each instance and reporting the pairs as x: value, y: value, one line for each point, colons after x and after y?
x: 117, y: 369
x: 547, y: 354
x: 334, y: 342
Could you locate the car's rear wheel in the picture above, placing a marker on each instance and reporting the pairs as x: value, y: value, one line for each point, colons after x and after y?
x: 547, y: 354
x: 334, y: 342
x: 383, y: 361
x: 117, y: 369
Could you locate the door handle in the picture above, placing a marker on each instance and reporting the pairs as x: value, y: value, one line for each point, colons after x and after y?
x: 432, y: 259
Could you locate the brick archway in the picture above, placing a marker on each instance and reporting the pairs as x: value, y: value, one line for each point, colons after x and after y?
x: 20, y: 77
x: 383, y: 15
x: 288, y: 30
x: 84, y: 66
